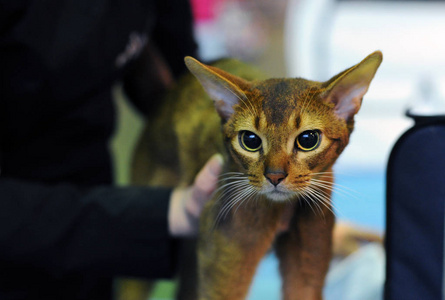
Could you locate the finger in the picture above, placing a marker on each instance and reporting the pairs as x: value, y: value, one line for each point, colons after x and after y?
x: 207, y: 178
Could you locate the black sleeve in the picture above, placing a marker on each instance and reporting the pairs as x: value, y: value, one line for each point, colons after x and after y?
x: 62, y: 228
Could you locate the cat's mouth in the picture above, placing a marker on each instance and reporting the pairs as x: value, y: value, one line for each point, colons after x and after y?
x: 285, y: 190
x: 278, y: 193
x: 279, y: 196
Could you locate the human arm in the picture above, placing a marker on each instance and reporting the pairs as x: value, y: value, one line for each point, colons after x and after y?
x: 161, y: 61
x: 64, y: 228
x: 114, y: 231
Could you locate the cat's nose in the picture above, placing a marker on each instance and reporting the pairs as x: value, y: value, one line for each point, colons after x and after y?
x: 275, y: 177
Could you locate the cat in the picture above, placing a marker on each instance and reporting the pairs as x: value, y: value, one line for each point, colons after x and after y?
x: 279, y: 139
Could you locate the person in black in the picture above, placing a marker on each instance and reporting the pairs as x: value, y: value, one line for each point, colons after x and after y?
x: 65, y: 230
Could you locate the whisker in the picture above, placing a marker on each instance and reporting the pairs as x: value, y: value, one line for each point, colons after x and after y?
x: 323, y: 197
x: 232, y: 178
x: 238, y: 181
x: 326, y: 201
x: 323, y: 200
x: 231, y: 174
x: 245, y: 198
x: 226, y: 206
x: 232, y: 202
x: 227, y: 203
x: 336, y: 188
x: 239, y: 199
x: 345, y: 191
x: 230, y: 190
x: 335, y: 172
x: 309, y: 198
x: 245, y: 192
x: 239, y: 188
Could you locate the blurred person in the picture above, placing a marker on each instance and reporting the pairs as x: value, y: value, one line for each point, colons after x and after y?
x: 65, y: 230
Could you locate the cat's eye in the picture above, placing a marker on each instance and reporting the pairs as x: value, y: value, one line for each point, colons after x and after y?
x: 308, y: 140
x: 249, y: 141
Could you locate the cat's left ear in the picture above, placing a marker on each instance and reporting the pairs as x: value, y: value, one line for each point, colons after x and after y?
x: 226, y: 90
x: 347, y: 89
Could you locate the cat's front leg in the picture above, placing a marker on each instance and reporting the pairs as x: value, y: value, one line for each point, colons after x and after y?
x: 305, y: 252
x: 230, y: 252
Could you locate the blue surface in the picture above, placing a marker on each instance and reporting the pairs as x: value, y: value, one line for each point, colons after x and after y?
x: 360, y: 199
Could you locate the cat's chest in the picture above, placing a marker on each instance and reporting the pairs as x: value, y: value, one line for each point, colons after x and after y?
x: 285, y: 218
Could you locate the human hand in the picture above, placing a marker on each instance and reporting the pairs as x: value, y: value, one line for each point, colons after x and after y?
x: 186, y: 204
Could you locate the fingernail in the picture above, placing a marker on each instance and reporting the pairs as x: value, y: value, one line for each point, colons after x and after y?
x: 219, y: 158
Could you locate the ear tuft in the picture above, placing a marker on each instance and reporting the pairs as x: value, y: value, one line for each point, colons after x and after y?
x: 223, y: 88
x: 347, y: 89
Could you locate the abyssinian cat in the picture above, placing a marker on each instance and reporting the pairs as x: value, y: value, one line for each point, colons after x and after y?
x: 280, y: 139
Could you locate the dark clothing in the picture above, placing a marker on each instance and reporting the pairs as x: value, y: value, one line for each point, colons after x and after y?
x: 64, y: 230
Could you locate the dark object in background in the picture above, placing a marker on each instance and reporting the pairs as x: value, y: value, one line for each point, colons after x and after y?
x: 65, y: 229
x: 415, y: 212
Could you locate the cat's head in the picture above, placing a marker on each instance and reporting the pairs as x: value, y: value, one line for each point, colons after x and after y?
x: 285, y: 134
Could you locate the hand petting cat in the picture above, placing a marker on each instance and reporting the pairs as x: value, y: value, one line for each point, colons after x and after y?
x: 186, y: 204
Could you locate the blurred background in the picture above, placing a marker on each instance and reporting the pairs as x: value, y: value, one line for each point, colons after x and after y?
x: 317, y: 39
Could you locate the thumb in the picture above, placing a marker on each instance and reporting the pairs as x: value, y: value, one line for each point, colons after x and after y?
x: 205, y: 184
x: 186, y: 204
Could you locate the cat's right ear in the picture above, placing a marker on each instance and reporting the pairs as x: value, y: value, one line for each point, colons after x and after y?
x: 223, y: 88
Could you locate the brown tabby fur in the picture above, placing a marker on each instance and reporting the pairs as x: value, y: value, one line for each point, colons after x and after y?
x: 248, y: 214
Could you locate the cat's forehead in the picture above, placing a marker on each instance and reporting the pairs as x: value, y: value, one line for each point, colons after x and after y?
x: 280, y: 98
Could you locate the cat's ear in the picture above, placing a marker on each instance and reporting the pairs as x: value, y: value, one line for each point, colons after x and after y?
x: 224, y: 89
x: 347, y: 89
